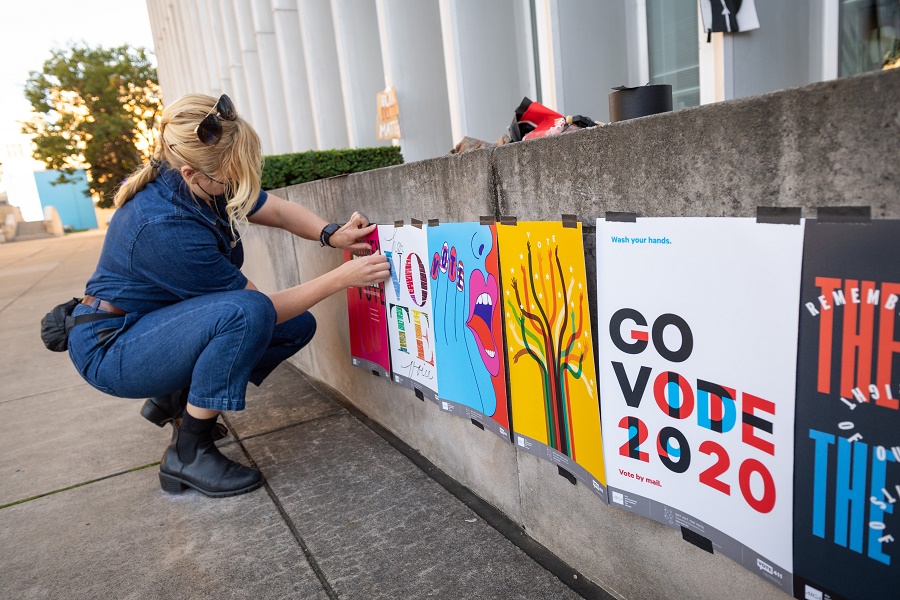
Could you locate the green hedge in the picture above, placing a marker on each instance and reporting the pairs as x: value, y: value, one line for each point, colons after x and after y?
x: 290, y: 169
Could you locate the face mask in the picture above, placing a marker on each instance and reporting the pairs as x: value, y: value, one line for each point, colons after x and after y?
x: 216, y: 198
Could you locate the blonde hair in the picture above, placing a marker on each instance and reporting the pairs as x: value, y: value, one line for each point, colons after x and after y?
x: 235, y: 159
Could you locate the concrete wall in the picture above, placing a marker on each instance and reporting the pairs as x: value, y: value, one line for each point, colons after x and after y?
x: 832, y: 143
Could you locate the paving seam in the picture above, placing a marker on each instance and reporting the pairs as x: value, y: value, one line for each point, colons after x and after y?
x: 277, y: 429
x: 491, y: 515
x: 71, y: 387
x: 21, y: 258
x: 313, y: 563
x: 78, y: 485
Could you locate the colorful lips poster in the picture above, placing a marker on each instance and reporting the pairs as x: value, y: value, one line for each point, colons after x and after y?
x: 368, y: 319
x: 697, y: 361
x: 468, y: 335
x: 847, y: 455
x: 410, y: 322
x: 552, y: 383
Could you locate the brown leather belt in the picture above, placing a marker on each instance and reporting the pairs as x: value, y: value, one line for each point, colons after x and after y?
x: 103, y: 305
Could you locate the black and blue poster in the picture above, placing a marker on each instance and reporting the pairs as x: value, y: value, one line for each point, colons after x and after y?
x: 847, y: 469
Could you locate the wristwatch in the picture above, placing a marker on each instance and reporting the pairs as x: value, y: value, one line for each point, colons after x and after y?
x: 327, y: 232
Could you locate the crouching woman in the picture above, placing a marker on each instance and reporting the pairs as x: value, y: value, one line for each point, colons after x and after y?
x: 185, y: 328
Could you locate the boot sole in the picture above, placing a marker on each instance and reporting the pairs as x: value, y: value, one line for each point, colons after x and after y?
x: 174, y: 485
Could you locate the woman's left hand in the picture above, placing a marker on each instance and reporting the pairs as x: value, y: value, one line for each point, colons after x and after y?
x: 351, y: 234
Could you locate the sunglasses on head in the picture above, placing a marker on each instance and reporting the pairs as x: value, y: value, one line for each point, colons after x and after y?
x: 209, y: 131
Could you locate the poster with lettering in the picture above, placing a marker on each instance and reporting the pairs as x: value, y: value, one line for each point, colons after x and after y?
x: 847, y: 473
x: 410, y: 324
x: 697, y: 363
x: 550, y: 357
x: 468, y: 330
x: 368, y: 319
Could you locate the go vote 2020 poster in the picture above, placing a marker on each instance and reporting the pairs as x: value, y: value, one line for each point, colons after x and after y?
x: 368, y: 324
x: 468, y: 335
x: 410, y: 323
x: 847, y: 475
x: 697, y: 379
x: 553, y: 387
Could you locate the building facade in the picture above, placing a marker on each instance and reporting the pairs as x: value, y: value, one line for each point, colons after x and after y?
x: 306, y: 72
x: 72, y: 200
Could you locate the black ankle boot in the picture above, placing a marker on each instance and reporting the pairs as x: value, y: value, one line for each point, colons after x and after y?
x: 162, y: 410
x: 192, y: 460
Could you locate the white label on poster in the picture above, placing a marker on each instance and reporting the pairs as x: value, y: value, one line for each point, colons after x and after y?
x: 697, y: 352
x: 408, y: 301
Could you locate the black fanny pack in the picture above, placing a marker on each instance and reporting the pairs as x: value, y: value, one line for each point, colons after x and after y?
x: 56, y: 324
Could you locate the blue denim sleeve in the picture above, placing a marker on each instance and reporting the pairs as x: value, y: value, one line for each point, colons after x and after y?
x: 182, y: 256
x: 263, y: 196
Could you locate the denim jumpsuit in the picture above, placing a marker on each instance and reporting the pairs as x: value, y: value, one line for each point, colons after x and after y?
x: 171, y: 262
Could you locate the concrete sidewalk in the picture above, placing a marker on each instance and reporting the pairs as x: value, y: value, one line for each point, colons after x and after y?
x: 344, y: 513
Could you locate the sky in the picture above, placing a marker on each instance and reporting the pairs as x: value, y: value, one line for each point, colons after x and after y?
x: 29, y: 29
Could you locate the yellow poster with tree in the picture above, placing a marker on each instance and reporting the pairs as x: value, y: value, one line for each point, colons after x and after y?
x: 552, y: 379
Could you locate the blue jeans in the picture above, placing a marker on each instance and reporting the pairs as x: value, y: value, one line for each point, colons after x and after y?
x: 213, y: 344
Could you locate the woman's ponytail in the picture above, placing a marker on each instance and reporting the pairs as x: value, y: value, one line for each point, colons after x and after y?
x: 136, y: 182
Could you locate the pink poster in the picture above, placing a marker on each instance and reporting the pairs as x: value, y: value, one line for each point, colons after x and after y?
x: 368, y: 319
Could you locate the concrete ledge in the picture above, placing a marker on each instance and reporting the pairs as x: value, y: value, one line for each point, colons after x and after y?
x: 832, y: 143
x: 827, y: 144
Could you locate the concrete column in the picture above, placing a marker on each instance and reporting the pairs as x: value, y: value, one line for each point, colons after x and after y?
x: 161, y: 41
x: 413, y: 55
x: 486, y: 52
x: 546, y: 25
x: 256, y: 93
x: 638, y: 49
x: 362, y: 72
x: 162, y: 51
x: 205, y: 39
x: 200, y: 31
x: 170, y: 42
x: 198, y: 79
x: 219, y: 48
x: 289, y: 41
x: 711, y: 65
x: 181, y: 52
x: 156, y: 28
x: 232, y: 40
x: 271, y: 76
x: 323, y: 74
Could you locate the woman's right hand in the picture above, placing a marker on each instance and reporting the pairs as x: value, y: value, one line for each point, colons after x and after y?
x: 365, y: 270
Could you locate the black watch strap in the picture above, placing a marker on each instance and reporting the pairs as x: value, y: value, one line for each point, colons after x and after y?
x: 327, y: 232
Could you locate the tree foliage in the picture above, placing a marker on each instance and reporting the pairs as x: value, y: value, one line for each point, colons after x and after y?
x: 96, y: 108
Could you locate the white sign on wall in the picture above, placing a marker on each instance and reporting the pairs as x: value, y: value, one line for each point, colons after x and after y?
x: 697, y: 353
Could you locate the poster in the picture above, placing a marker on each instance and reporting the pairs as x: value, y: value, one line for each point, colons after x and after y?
x: 468, y: 330
x: 847, y: 474
x: 368, y: 319
x: 552, y: 384
x: 408, y: 301
x: 697, y: 361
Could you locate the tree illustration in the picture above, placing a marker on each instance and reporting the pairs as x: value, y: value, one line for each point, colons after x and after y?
x: 547, y: 329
